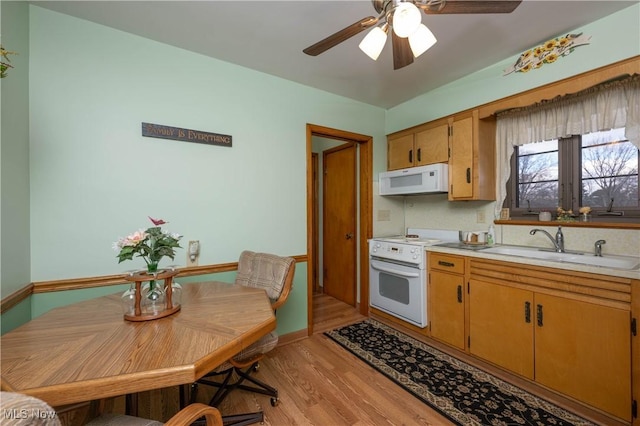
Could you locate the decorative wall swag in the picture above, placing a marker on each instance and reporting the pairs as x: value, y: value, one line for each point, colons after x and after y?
x: 4, y: 61
x: 186, y: 135
x: 547, y: 53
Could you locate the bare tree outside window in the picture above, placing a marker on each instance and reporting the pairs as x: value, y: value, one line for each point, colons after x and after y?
x: 538, y: 175
x: 598, y: 170
x: 609, y: 170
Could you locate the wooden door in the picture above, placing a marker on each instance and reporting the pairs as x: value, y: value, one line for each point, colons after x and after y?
x: 584, y: 350
x: 339, y: 223
x: 461, y: 171
x: 500, y: 330
x: 400, y: 153
x: 432, y: 145
x: 446, y: 308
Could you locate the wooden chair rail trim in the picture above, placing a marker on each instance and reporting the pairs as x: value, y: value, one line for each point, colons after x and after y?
x: 16, y: 297
x: 107, y: 280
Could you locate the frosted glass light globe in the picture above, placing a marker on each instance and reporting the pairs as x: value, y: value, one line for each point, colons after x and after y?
x: 373, y: 43
x: 406, y: 19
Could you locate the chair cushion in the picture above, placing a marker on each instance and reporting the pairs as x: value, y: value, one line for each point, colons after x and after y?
x: 23, y: 410
x: 263, y: 270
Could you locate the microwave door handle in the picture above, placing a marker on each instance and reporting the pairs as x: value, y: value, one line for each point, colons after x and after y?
x: 396, y: 272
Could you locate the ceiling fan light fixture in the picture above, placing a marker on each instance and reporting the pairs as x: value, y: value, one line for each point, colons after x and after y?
x: 406, y: 19
x: 421, y: 40
x: 374, y: 42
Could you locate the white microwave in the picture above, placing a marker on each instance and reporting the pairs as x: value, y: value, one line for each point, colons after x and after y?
x: 433, y: 178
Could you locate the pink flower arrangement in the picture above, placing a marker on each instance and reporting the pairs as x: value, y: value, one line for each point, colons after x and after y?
x: 151, y: 244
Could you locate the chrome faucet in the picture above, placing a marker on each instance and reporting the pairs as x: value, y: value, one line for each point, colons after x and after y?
x: 598, y: 247
x: 558, y: 242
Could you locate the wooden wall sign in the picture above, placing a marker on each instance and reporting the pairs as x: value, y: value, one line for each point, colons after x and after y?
x: 186, y: 135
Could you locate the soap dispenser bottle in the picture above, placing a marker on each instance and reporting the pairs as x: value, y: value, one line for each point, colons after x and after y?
x: 491, y: 235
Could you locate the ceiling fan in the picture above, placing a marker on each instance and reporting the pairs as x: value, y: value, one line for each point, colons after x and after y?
x: 410, y: 38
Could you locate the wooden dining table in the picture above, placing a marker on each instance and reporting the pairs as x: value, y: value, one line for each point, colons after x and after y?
x: 87, y: 351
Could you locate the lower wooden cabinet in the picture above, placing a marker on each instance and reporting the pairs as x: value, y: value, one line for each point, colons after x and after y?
x: 584, y: 350
x: 446, y: 310
x: 576, y: 344
x: 500, y: 326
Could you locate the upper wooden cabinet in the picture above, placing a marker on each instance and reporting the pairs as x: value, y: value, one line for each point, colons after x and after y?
x: 419, y: 146
x: 472, y: 157
x: 463, y: 141
x: 400, y: 152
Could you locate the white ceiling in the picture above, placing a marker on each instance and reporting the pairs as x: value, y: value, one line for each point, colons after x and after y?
x: 269, y: 36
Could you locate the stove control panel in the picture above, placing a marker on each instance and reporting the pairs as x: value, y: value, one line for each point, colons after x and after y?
x: 399, y: 252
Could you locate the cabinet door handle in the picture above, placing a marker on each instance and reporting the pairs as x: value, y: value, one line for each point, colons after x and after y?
x: 459, y: 294
x: 468, y: 174
x: 411, y: 156
x: 419, y: 155
x: 527, y: 312
x: 539, y: 315
x: 447, y: 264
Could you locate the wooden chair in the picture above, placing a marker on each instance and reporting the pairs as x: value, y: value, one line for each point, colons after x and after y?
x: 274, y: 274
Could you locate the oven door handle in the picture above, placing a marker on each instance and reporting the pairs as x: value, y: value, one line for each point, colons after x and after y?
x: 395, y: 271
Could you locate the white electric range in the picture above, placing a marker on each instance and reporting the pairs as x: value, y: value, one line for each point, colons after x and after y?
x: 397, y: 272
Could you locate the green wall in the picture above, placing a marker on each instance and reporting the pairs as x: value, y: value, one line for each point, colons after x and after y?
x: 613, y: 39
x: 92, y: 177
x: 14, y: 161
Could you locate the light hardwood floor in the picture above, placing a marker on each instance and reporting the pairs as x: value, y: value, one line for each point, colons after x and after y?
x: 319, y: 383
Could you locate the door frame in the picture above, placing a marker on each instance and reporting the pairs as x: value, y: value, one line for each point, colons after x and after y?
x: 365, y: 179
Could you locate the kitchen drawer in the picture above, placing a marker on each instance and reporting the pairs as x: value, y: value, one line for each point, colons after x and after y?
x: 446, y: 262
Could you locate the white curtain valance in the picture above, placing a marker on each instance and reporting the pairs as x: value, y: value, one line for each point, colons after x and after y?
x: 604, y: 107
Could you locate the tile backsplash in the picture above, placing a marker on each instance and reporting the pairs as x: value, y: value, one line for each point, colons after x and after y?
x: 618, y: 241
x: 393, y: 215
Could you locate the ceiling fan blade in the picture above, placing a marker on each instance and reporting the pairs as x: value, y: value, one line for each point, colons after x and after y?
x: 340, y: 36
x: 470, y: 6
x: 402, y: 55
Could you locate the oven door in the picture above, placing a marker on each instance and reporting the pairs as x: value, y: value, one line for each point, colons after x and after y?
x: 398, y: 290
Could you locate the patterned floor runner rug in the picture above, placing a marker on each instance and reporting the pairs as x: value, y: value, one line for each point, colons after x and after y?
x: 459, y: 391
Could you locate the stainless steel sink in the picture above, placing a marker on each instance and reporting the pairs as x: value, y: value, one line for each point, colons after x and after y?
x: 606, y: 261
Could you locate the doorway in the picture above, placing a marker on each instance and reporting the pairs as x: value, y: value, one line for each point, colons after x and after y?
x: 362, y: 214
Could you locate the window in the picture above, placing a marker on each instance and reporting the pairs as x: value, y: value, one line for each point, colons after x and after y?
x: 599, y: 170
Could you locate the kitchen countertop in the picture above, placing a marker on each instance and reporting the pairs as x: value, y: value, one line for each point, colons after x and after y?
x: 633, y: 274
